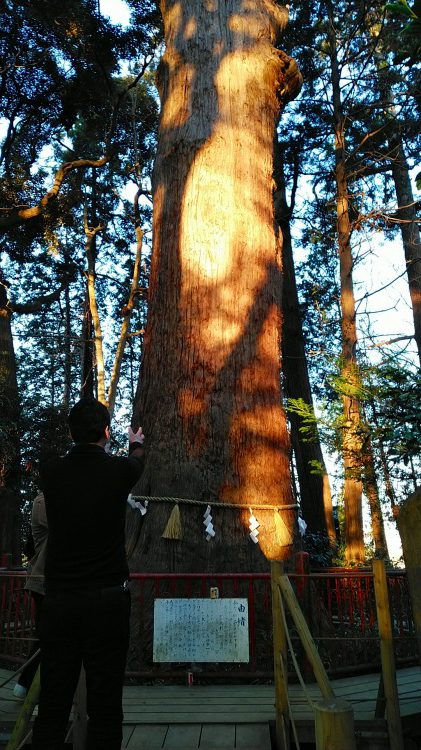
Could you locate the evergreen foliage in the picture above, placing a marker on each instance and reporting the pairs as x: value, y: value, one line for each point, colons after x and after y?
x: 74, y: 86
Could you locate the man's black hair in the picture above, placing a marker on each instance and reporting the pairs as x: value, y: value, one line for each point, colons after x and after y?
x: 88, y: 420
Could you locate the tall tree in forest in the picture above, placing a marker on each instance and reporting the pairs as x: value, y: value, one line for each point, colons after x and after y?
x: 209, y: 398
x: 59, y: 76
x: 392, y: 152
x: 10, y: 403
x: 315, y: 494
x: 355, y: 444
x: 9, y: 436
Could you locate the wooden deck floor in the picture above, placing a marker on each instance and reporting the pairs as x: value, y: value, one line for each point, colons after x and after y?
x: 207, y: 717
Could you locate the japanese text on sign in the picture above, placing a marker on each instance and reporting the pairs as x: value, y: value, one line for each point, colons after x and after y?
x: 202, y: 630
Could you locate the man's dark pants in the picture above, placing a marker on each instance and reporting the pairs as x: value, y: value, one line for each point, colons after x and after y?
x: 90, y: 627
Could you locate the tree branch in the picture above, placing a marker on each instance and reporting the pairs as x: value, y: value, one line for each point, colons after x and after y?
x: 25, y: 214
x: 127, y: 310
x: 35, y: 305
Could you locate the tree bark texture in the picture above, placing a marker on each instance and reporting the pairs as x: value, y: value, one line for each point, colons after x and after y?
x: 315, y: 494
x: 371, y: 490
x: 10, y: 516
x: 407, y: 214
x: 351, y: 424
x: 91, y: 253
x: 359, y: 465
x: 87, y: 386
x: 67, y: 370
x: 209, y: 397
x: 407, y: 206
x: 128, y: 309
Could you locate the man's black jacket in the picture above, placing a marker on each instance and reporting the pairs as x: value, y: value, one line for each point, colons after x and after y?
x: 85, y: 497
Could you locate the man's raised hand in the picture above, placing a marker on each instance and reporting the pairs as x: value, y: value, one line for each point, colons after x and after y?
x: 136, y: 437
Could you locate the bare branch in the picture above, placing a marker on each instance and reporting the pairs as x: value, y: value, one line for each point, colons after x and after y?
x: 127, y: 310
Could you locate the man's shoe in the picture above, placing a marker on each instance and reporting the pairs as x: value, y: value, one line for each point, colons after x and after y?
x: 19, y: 692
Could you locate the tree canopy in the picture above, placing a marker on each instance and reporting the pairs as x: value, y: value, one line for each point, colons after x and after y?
x: 88, y: 153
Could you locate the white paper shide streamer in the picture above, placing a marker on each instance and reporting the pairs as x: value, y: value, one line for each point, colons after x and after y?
x: 207, y: 522
x: 302, y: 526
x: 254, y: 527
x: 136, y: 505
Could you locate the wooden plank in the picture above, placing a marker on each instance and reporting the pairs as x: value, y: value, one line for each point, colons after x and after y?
x: 394, y: 724
x: 198, y: 706
x: 183, y: 736
x: 80, y: 721
x: 201, y: 717
x: 217, y: 735
x: 127, y: 733
x: 20, y: 730
x: 252, y: 704
x: 306, y: 638
x: 243, y: 691
x: 252, y: 734
x: 409, y: 525
x: 148, y: 737
x: 193, y: 701
x: 280, y: 660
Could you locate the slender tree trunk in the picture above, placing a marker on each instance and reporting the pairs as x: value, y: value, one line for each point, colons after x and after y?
x: 409, y: 226
x: 315, y: 494
x: 407, y: 206
x: 358, y: 463
x: 351, y: 440
x: 67, y: 350
x: 125, y: 325
x: 10, y: 516
x: 90, y: 249
x: 356, y: 441
x: 371, y: 490
x: 87, y: 356
x: 210, y: 399
x: 388, y: 484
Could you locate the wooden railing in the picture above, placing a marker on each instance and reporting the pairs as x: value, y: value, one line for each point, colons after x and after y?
x: 339, y: 606
x: 333, y: 718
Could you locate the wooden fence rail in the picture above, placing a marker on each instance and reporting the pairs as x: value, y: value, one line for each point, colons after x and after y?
x: 339, y: 606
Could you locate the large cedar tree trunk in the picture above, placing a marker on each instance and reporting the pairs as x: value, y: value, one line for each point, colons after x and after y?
x: 209, y: 397
x: 10, y: 516
x: 315, y: 494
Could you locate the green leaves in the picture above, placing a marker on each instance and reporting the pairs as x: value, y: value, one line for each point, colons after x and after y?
x: 411, y: 32
x: 402, y: 8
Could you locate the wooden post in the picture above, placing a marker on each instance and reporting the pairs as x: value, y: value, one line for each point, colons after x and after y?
x: 334, y: 719
x: 380, y: 701
x: 302, y: 588
x: 409, y: 525
x: 79, y: 713
x: 280, y: 661
x: 306, y: 639
x: 334, y: 725
x: 21, y: 728
x: 387, y: 656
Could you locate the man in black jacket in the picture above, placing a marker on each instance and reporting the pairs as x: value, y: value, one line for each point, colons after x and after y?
x: 85, y: 616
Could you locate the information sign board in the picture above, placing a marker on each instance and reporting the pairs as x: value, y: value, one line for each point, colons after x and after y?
x: 201, y: 630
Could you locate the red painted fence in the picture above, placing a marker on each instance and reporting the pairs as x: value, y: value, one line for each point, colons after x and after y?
x: 339, y: 605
